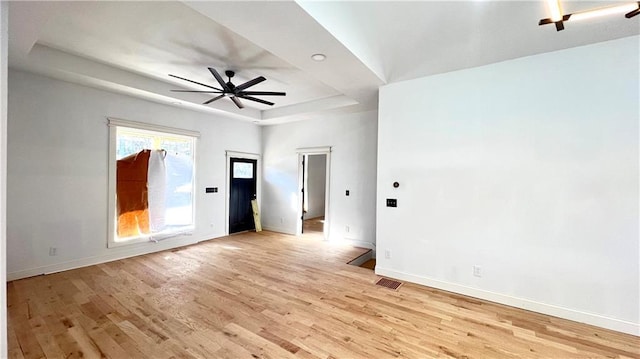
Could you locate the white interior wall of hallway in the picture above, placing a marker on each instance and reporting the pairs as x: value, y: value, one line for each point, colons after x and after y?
x: 353, y: 142
x: 315, y: 186
x: 527, y: 169
x: 58, y: 164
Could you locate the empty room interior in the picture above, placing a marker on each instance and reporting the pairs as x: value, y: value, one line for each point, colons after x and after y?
x: 320, y: 179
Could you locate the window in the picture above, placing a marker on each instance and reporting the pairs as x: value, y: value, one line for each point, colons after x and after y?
x: 242, y: 170
x: 151, y: 182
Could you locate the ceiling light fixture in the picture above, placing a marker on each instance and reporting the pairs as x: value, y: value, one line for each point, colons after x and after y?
x: 630, y: 10
x: 555, y: 10
x: 318, y: 57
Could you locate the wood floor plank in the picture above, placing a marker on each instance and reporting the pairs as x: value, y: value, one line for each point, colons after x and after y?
x: 14, y: 350
x: 266, y: 295
x: 139, y: 340
x: 45, y: 338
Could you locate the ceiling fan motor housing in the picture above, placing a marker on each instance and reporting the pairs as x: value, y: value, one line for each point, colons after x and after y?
x: 230, y: 74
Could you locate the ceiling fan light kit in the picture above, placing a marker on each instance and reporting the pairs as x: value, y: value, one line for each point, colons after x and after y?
x: 630, y: 10
x: 228, y: 88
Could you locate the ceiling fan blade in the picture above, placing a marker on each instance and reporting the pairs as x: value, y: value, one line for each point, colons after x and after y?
x: 213, y: 99
x: 196, y: 91
x: 219, y: 78
x: 249, y: 83
x: 237, y: 102
x: 257, y: 100
x: 195, y: 82
x: 262, y: 93
x: 633, y: 13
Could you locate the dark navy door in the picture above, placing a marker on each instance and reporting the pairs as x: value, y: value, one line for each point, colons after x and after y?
x: 242, y: 190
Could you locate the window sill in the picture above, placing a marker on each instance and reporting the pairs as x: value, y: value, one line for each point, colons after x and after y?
x: 153, y: 238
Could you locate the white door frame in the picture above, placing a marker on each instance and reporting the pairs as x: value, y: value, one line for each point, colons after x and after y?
x: 314, y: 151
x: 4, y: 70
x: 250, y: 156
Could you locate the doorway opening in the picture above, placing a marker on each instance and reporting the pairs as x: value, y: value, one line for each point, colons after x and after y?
x: 313, y: 193
x: 314, y: 165
x: 242, y: 184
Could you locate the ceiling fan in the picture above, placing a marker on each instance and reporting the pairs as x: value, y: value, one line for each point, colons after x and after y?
x: 235, y: 92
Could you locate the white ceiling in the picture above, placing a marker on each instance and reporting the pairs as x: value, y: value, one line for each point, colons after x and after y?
x: 402, y: 40
x: 131, y: 47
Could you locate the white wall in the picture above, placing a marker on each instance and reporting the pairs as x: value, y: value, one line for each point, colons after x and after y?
x: 527, y: 168
x: 58, y: 165
x: 4, y: 9
x: 353, y: 167
x: 316, y: 185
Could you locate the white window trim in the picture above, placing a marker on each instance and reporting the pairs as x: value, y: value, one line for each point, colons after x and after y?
x: 113, y: 123
x: 151, y: 127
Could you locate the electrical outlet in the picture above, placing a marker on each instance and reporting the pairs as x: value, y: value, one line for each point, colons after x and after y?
x: 53, y: 251
x: 477, y: 271
x: 387, y: 254
x: 281, y: 220
x: 346, y: 229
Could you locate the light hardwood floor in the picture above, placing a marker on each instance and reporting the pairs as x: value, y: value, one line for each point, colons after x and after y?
x: 313, y: 225
x: 258, y: 295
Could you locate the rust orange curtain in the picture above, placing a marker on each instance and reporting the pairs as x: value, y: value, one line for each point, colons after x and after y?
x: 131, y: 191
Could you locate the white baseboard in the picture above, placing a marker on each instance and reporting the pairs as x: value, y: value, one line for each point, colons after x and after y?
x: 314, y: 216
x: 113, y: 255
x: 278, y: 230
x: 556, y: 311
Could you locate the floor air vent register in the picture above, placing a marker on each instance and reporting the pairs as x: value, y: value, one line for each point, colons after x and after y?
x: 389, y: 283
